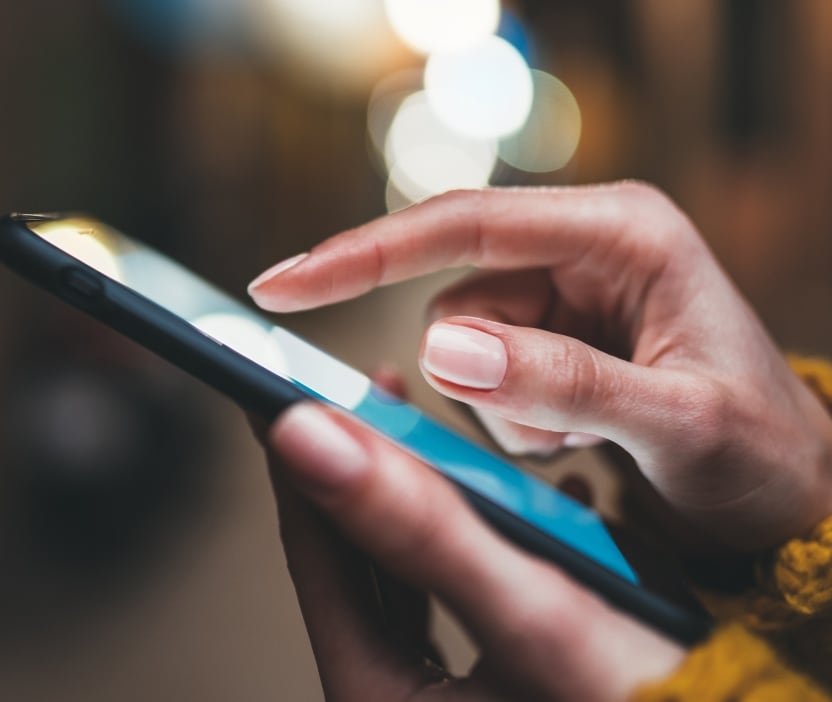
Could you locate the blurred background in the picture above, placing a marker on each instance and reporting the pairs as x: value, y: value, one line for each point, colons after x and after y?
x: 139, y: 556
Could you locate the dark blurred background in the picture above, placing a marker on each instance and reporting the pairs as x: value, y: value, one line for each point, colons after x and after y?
x: 139, y: 556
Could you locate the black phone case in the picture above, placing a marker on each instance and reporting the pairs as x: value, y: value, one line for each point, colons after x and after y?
x: 266, y: 394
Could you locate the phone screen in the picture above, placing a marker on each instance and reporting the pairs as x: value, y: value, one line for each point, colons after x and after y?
x: 237, y: 327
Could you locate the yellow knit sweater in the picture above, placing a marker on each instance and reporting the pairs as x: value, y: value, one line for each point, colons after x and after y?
x: 775, y: 642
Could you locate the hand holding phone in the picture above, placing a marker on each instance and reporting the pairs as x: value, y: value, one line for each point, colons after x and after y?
x: 267, y: 369
x: 736, y: 444
x: 613, y: 319
x: 541, y: 636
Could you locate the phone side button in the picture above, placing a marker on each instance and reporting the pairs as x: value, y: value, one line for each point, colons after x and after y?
x: 83, y: 283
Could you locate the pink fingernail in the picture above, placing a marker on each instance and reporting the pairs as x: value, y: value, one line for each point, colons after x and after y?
x: 465, y: 356
x: 275, y: 271
x: 323, y: 455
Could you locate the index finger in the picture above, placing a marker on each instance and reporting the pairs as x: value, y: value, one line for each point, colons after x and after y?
x: 491, y: 228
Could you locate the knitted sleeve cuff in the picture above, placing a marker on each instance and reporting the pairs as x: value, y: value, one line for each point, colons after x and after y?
x: 801, y: 571
x: 794, y: 586
x: 794, y: 582
x: 732, y: 666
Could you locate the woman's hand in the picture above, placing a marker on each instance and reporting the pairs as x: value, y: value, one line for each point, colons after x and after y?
x: 540, y: 636
x: 599, y: 311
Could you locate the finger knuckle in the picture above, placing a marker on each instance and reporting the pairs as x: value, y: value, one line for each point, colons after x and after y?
x: 657, y: 219
x: 577, y: 376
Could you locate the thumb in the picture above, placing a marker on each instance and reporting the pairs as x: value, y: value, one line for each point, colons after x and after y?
x: 558, y: 383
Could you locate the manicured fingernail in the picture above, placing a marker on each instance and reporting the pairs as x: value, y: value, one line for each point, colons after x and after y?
x: 324, y: 456
x: 465, y: 356
x: 275, y: 271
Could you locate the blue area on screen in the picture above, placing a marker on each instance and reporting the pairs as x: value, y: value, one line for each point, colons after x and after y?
x: 495, y: 479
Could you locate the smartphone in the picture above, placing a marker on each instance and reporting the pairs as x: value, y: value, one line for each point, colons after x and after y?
x: 263, y: 367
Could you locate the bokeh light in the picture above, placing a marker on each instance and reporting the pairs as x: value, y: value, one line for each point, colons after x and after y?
x: 550, y: 136
x: 443, y: 25
x: 424, y: 157
x: 384, y: 103
x: 482, y: 92
x: 394, y: 200
x: 347, y: 43
x: 325, y: 20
